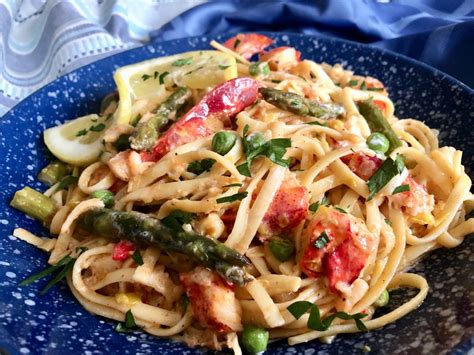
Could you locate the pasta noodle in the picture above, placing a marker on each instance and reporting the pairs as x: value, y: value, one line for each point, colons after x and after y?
x: 305, y: 215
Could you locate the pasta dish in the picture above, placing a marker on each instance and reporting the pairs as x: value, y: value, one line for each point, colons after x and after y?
x: 225, y: 202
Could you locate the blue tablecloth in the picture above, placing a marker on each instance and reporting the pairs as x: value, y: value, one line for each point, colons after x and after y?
x: 42, y: 40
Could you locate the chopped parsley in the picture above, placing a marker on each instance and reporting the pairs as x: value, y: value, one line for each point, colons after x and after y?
x: 145, y: 77
x: 97, y: 128
x: 363, y: 86
x: 235, y: 197
x: 297, y: 309
x: 176, y: 219
x: 353, y: 82
x: 128, y: 325
x: 199, y: 166
x: 66, y: 182
x: 182, y: 62
x: 315, y: 206
x: 322, y: 240
x: 234, y: 185
x: 155, y: 74
x: 389, y: 169
x: 82, y: 132
x: 401, y: 188
x: 340, y: 209
x: 236, y: 43
x: 162, y: 77
x: 137, y: 257
x: 63, y: 266
x: 254, y: 146
x: 224, y: 67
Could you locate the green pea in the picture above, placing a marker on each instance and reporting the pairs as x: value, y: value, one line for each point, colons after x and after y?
x: 122, y: 143
x: 383, y: 299
x: 281, y: 248
x: 254, y: 339
x: 378, y: 142
x: 223, y: 141
x: 106, y: 196
x: 259, y: 68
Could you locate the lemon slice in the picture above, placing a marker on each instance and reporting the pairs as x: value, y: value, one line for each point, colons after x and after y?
x: 77, y: 142
x: 147, y: 80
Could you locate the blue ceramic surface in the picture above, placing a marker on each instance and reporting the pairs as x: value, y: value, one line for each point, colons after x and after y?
x: 57, y: 324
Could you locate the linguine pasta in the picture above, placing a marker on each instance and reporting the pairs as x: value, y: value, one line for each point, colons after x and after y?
x: 309, y: 220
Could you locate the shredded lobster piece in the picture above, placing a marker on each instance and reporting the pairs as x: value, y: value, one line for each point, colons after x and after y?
x: 338, y: 247
x: 221, y: 103
x: 212, y: 300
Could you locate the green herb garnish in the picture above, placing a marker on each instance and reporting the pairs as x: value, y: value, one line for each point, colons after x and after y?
x: 162, y: 77
x: 315, y: 206
x: 82, y: 132
x: 316, y: 123
x: 137, y: 257
x: 182, y: 62
x: 401, y: 188
x: 322, y: 240
x: 199, y: 166
x: 66, y: 182
x: 128, y: 325
x: 234, y: 185
x: 389, y: 169
x: 146, y: 77
x: 235, y: 197
x: 340, y: 209
x: 97, y: 128
x: 255, y: 145
x: 315, y: 322
x: 224, y: 67
x: 177, y: 218
x: 236, y: 43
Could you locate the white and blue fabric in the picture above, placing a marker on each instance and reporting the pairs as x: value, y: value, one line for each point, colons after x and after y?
x: 41, y: 40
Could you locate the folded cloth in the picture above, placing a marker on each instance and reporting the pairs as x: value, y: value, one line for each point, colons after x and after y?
x: 42, y: 40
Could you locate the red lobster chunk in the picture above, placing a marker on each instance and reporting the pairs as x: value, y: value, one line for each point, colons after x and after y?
x: 221, y: 103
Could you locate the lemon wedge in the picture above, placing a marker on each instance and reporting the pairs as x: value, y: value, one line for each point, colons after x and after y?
x: 77, y: 142
x: 147, y: 80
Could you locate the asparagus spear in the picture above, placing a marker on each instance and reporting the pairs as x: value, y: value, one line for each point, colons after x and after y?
x: 145, y: 230
x: 299, y: 105
x: 377, y: 123
x: 146, y: 134
x: 34, y: 204
x: 54, y: 172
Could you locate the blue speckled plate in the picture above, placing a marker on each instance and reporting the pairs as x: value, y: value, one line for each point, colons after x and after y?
x: 57, y: 324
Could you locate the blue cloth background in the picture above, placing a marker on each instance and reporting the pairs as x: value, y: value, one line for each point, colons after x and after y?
x: 41, y: 40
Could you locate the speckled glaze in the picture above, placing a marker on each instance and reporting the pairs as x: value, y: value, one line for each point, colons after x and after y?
x: 57, y: 324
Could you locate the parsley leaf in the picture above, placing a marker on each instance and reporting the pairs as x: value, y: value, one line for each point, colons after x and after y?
x: 97, y: 128
x: 234, y: 184
x: 340, y: 209
x: 177, y: 218
x: 162, y: 77
x: 155, y: 74
x: 236, y: 43
x: 128, y: 325
x: 64, y: 266
x: 297, y: 309
x: 137, y: 257
x: 401, y: 188
x: 182, y: 62
x: 389, y: 169
x: 315, y: 206
x: 66, y: 182
x: 353, y: 82
x: 322, y: 240
x: 199, y: 166
x: 363, y: 86
x: 236, y: 197
x: 255, y: 145
x: 146, y: 77
x: 82, y: 132
x: 223, y: 67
